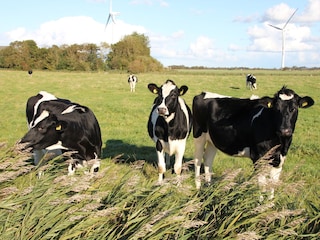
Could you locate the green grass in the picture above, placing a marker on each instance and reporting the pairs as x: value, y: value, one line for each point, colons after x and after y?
x: 123, y: 200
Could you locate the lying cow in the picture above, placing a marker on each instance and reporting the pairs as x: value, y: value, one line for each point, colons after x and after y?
x: 169, y: 124
x: 132, y: 80
x: 58, y: 124
x: 251, y: 82
x: 246, y: 128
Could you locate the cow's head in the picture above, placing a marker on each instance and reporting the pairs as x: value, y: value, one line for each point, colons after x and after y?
x: 45, y: 134
x: 168, y: 94
x: 285, y: 105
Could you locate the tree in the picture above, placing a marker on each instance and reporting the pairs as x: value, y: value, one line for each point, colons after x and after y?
x: 132, y: 53
x: 21, y: 55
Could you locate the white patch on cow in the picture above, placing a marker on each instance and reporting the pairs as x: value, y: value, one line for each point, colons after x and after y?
x: 244, y: 153
x: 170, y: 117
x: 184, y: 109
x: 72, y: 109
x: 45, y: 97
x: 253, y: 97
x: 214, y: 95
x: 256, y: 115
x: 57, y: 145
x: 286, y: 97
x: 167, y: 88
x: 42, y: 116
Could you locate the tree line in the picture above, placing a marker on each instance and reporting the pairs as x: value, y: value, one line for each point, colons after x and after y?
x: 132, y: 54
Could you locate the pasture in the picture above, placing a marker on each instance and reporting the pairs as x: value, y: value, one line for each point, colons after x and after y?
x: 123, y: 201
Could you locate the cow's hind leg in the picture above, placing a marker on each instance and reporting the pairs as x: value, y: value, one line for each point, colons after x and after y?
x: 199, y: 144
x: 209, y: 154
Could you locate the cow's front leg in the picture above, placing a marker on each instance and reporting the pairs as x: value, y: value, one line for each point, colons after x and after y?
x: 275, y: 175
x: 161, y: 165
x: 178, y: 160
x: 161, y: 161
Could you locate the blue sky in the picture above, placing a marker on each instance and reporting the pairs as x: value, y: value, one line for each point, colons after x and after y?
x: 212, y: 33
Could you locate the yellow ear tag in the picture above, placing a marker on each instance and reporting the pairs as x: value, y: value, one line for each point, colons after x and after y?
x: 304, y: 104
x: 155, y: 91
x: 269, y: 105
x: 58, y: 128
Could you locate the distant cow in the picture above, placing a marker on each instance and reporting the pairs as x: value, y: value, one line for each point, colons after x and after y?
x: 245, y: 128
x: 251, y: 82
x: 132, y: 80
x: 30, y: 72
x: 59, y: 124
x: 169, y: 124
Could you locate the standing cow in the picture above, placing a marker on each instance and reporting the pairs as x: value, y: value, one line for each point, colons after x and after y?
x: 132, y: 80
x: 169, y: 124
x: 246, y: 128
x: 60, y: 125
x: 251, y: 82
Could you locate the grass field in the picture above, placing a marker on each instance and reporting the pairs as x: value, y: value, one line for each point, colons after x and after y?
x: 123, y: 200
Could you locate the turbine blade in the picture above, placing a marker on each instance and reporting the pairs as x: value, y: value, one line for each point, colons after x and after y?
x: 275, y: 27
x: 113, y: 18
x: 290, y: 18
x: 107, y: 21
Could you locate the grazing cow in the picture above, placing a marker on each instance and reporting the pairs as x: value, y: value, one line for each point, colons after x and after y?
x: 251, y: 82
x: 245, y: 128
x: 58, y: 124
x: 169, y: 124
x: 132, y: 80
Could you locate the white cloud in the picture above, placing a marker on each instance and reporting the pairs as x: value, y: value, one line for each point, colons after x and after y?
x: 78, y: 29
x: 177, y: 35
x: 203, y: 46
x: 311, y: 13
x: 279, y: 14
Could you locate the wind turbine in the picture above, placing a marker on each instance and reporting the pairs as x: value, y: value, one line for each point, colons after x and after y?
x: 283, y: 37
x: 111, y: 17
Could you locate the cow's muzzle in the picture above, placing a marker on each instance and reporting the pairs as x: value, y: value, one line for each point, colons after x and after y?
x: 286, y: 132
x: 21, y: 146
x: 162, y: 111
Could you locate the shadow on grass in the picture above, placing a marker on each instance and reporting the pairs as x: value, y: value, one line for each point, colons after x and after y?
x: 129, y: 153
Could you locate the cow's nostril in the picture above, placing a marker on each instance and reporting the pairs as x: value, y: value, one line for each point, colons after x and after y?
x: 286, y: 132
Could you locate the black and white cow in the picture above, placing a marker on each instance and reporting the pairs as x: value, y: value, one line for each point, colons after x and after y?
x: 60, y: 125
x: 251, y: 82
x: 169, y: 124
x: 132, y: 80
x: 246, y: 128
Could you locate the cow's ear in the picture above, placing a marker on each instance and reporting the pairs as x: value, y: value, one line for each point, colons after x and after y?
x: 305, y: 102
x: 267, y: 102
x: 182, y: 90
x: 153, y: 88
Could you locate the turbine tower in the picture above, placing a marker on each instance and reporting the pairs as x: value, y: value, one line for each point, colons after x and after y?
x: 283, y: 37
x: 111, y: 17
